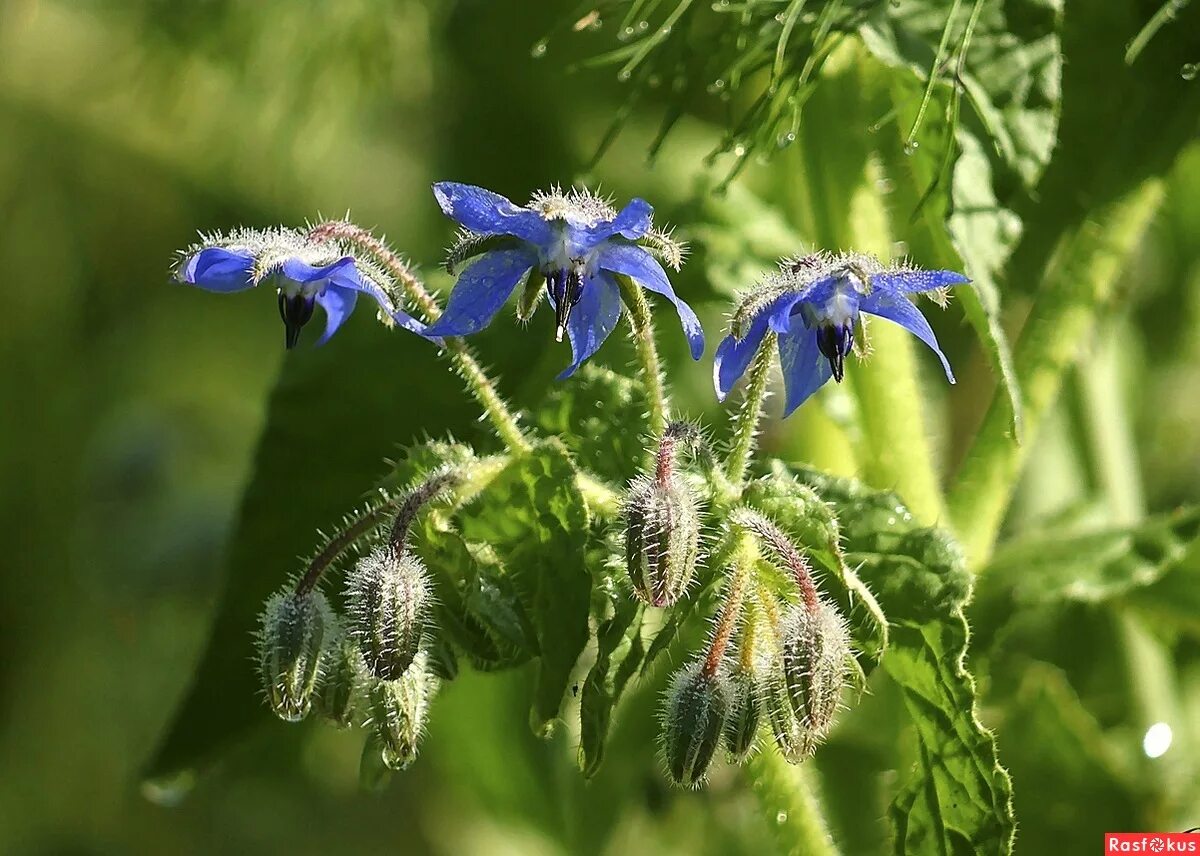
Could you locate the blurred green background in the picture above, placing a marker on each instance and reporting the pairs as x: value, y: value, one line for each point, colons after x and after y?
x: 132, y: 409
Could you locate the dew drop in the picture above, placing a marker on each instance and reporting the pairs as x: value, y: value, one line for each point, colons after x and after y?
x: 739, y: 150
x: 874, y: 129
x: 1189, y: 70
x: 539, y: 50
x: 781, y: 817
x: 911, y: 146
x: 785, y: 140
x: 624, y: 75
x: 626, y: 34
x: 642, y: 26
x: 716, y: 86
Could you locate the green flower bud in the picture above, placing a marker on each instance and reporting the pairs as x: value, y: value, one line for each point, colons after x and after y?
x: 387, y: 597
x: 341, y: 684
x: 807, y: 685
x: 662, y: 538
x: 291, y: 644
x: 745, y: 713
x: 399, y: 711
x: 693, y: 718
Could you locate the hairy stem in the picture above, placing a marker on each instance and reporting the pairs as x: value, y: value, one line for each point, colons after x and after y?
x: 745, y: 427
x: 1079, y: 283
x: 503, y: 420
x: 744, y: 557
x: 351, y: 531
x: 642, y: 327
x: 789, y: 804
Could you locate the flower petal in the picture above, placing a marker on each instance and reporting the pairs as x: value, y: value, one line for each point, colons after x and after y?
x: 490, y: 213
x: 594, y: 317
x: 910, y: 281
x: 631, y: 222
x: 805, y: 368
x: 481, y: 291
x: 338, y: 302
x: 734, y: 355
x: 900, y: 309
x: 638, y: 264
x: 221, y: 270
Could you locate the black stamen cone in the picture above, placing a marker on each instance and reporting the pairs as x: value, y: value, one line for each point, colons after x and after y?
x: 835, y: 343
x: 295, y: 312
x: 565, y: 287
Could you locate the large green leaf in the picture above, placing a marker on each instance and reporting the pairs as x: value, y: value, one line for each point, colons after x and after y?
x: 534, y: 518
x: 975, y: 164
x: 960, y: 799
x: 330, y: 423
x: 601, y: 417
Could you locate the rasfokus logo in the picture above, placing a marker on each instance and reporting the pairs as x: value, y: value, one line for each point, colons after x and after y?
x: 1153, y: 842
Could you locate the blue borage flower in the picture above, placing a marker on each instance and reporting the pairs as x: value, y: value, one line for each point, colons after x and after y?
x: 575, y: 243
x: 813, y: 304
x: 304, y: 272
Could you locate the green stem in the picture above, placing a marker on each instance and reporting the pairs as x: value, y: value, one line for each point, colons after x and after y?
x: 789, y: 803
x: 745, y: 427
x: 642, y: 327
x: 503, y: 420
x: 1078, y: 284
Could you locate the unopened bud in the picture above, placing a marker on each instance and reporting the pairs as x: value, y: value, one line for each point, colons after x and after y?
x: 337, y: 696
x: 291, y: 643
x: 815, y: 666
x: 745, y: 713
x: 399, y: 711
x: 387, y: 597
x: 662, y: 538
x: 693, y: 718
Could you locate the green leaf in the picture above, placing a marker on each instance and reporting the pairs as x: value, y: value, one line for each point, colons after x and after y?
x: 618, y: 653
x: 328, y: 427
x: 1090, y: 567
x: 976, y: 166
x: 601, y: 417
x: 1143, y: 565
x: 534, y: 518
x: 960, y: 801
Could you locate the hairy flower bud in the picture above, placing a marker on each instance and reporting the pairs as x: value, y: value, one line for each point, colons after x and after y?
x: 694, y: 713
x: 662, y: 538
x: 387, y: 597
x: 291, y: 644
x: 745, y: 713
x: 399, y: 710
x: 337, y: 695
x: 807, y: 685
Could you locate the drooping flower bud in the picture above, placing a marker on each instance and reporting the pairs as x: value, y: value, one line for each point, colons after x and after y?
x: 337, y: 696
x: 694, y: 713
x: 291, y: 639
x: 745, y: 713
x: 388, y: 599
x: 815, y: 666
x: 399, y: 711
x: 662, y: 526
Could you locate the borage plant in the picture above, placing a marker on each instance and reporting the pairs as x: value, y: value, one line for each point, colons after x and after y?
x: 778, y: 588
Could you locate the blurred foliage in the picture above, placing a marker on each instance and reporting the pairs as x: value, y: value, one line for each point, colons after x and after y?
x: 136, y: 413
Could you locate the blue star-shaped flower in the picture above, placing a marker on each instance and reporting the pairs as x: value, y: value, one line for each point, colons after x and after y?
x: 576, y: 242
x: 305, y: 275
x: 813, y: 304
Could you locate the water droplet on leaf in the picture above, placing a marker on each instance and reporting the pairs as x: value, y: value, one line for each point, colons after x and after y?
x: 1189, y: 70
x: 539, y: 50
x: 911, y: 146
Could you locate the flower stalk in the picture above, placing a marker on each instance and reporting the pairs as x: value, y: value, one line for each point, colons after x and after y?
x: 745, y: 428
x: 642, y: 329
x: 480, y: 385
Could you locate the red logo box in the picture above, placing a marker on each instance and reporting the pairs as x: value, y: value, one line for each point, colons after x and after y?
x: 1152, y: 842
